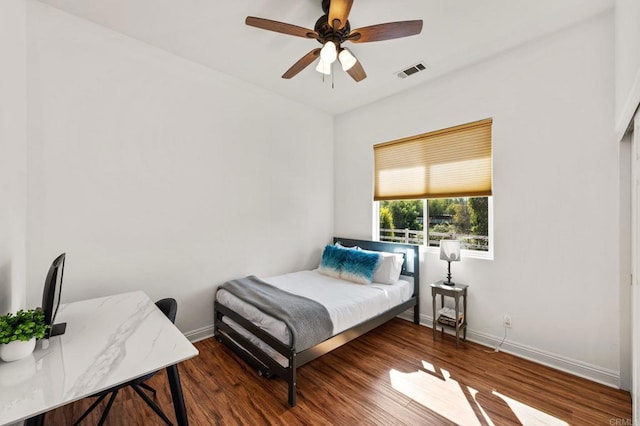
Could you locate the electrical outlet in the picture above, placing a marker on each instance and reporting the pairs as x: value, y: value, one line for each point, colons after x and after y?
x: 506, y: 321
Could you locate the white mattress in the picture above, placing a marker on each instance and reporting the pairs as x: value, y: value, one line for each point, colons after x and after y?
x: 348, y: 303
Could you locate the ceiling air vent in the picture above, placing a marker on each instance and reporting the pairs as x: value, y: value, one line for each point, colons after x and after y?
x: 413, y: 69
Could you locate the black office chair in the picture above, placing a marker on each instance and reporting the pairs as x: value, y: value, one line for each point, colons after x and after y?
x: 169, y: 307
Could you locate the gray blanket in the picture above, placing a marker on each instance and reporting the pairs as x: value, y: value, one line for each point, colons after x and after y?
x: 308, y: 320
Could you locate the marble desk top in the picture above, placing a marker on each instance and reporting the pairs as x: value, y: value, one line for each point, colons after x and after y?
x: 109, y: 340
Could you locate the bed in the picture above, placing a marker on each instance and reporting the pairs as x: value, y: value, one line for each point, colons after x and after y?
x: 275, y: 346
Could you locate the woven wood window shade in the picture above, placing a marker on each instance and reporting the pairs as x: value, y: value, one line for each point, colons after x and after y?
x: 453, y: 162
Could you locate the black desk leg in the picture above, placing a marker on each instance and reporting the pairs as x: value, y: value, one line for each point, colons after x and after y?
x: 176, y: 395
x: 35, y: 421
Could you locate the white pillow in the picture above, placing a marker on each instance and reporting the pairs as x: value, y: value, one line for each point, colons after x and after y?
x: 389, y: 267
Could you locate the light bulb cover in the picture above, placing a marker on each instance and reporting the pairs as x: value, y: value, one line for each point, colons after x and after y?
x: 347, y: 59
x: 323, y: 67
x: 329, y: 52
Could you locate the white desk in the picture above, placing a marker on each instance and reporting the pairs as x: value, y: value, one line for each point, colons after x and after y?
x: 108, y: 341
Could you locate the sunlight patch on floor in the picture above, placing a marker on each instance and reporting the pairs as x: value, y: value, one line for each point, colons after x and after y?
x: 444, y: 397
x: 458, y: 403
x: 473, y: 393
x: 530, y: 416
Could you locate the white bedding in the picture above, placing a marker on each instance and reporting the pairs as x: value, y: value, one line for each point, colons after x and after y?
x: 348, y: 304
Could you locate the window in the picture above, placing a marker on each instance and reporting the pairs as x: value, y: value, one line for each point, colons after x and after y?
x: 436, y: 185
x: 463, y: 218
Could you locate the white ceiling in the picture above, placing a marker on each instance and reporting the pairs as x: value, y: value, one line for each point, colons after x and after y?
x: 456, y: 33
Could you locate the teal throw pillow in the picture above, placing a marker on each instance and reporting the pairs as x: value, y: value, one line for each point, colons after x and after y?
x: 359, y: 266
x: 331, y: 263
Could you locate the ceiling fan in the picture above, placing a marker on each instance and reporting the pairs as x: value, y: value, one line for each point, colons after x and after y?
x: 331, y: 30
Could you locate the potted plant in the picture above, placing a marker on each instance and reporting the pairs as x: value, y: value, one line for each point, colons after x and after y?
x: 18, y: 333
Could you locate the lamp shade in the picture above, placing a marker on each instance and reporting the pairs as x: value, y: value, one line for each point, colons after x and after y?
x: 450, y: 250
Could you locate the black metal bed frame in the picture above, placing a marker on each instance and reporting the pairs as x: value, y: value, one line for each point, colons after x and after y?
x: 267, y: 366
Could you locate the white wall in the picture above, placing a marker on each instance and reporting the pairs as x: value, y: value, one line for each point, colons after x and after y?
x: 627, y: 62
x: 13, y: 155
x: 556, y: 179
x: 155, y: 173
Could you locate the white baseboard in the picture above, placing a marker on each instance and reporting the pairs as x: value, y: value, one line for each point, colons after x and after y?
x: 568, y: 365
x: 199, y: 333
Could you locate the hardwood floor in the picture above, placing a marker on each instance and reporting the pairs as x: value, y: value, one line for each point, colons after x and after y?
x: 394, y: 375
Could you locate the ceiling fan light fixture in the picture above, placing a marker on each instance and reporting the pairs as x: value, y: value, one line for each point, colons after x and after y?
x: 347, y: 60
x: 323, y: 67
x: 333, y: 29
x: 329, y: 52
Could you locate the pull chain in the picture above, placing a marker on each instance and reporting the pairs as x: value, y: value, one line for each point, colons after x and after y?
x: 332, y: 78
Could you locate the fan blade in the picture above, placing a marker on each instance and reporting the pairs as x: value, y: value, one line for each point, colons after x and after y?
x: 280, y: 27
x: 302, y: 63
x: 339, y: 10
x: 387, y: 31
x: 357, y: 72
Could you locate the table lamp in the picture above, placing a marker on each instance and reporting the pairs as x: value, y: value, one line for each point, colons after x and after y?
x: 449, y: 251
